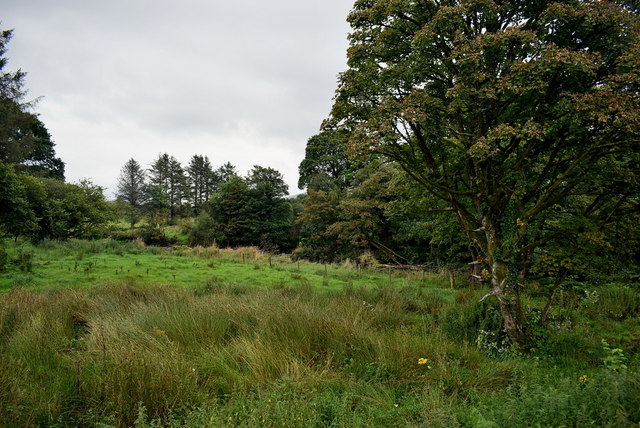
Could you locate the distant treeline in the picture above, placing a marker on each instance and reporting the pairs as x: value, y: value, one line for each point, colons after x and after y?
x: 230, y: 210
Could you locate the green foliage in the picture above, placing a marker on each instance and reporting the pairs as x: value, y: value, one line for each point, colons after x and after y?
x: 226, y: 172
x: 4, y: 259
x: 74, y: 211
x: 16, y: 142
x: 24, y: 140
x: 227, y: 209
x: 326, y: 164
x: 16, y: 214
x: 203, y: 231
x: 614, y: 302
x: 41, y: 160
x: 615, y: 359
x: 157, y: 202
x: 252, y: 211
x: 522, y: 117
x: 24, y: 261
x: 132, y: 190
x: 320, y: 210
x: 154, y: 234
x: 168, y: 185
x: 40, y: 208
x: 203, y: 181
x: 476, y: 322
x: 562, y: 402
x: 269, y: 215
x: 382, y: 213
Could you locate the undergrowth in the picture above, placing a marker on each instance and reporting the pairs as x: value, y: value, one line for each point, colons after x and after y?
x: 109, y: 334
x: 222, y: 355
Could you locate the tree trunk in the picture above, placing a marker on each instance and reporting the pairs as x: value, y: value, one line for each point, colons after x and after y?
x: 510, y: 305
x: 515, y: 322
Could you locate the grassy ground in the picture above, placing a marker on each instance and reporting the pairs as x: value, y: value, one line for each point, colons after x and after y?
x: 235, y: 341
x: 81, y: 263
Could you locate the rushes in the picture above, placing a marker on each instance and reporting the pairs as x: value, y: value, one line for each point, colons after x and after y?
x: 125, y: 354
x: 114, y: 348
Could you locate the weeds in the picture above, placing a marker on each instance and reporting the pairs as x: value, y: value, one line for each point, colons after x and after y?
x: 273, y: 346
x: 116, y: 349
x: 614, y: 302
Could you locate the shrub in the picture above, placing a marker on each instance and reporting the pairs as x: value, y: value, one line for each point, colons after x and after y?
x: 155, y: 235
x: 24, y: 261
x: 567, y: 402
x: 202, y: 232
x: 4, y: 259
x: 126, y: 235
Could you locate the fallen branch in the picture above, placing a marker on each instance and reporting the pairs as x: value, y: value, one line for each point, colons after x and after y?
x: 493, y: 292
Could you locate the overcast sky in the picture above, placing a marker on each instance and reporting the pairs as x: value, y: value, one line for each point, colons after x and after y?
x: 246, y: 82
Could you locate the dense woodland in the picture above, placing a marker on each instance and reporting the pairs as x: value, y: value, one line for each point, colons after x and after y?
x: 495, y: 141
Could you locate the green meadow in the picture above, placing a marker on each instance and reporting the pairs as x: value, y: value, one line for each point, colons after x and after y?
x: 102, y: 334
x: 80, y: 263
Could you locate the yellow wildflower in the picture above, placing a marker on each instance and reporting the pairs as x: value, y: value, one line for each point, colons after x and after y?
x: 583, y: 379
x: 422, y: 361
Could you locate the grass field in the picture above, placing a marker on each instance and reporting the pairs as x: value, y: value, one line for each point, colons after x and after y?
x: 109, y: 334
x: 81, y: 263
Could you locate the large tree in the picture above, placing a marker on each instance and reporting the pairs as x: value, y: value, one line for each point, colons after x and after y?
x: 70, y: 210
x: 250, y: 211
x: 168, y: 176
x: 16, y: 214
x: 326, y: 163
x: 505, y: 110
x: 41, y: 159
x: 384, y: 213
x: 228, y: 210
x: 132, y: 189
x: 270, y: 215
x: 15, y: 142
x: 24, y: 140
x: 202, y: 180
x: 226, y: 172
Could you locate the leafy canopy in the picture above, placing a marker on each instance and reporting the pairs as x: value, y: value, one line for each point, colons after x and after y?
x: 506, y: 110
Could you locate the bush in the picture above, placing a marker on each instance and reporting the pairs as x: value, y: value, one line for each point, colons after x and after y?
x: 185, y: 225
x: 567, y: 402
x: 4, y: 259
x: 155, y: 235
x: 24, y: 261
x: 126, y: 234
x: 202, y: 231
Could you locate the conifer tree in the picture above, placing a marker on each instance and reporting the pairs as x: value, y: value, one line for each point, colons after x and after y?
x: 132, y: 190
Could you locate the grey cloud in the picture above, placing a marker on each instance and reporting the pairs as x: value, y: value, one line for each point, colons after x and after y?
x: 197, y: 72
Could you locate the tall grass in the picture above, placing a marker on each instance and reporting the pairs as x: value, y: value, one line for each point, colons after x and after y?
x: 106, y: 353
x: 261, y: 340
x: 614, y: 302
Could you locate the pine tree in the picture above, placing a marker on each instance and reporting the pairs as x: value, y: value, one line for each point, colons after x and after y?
x: 168, y: 177
x: 132, y: 190
x: 202, y: 180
